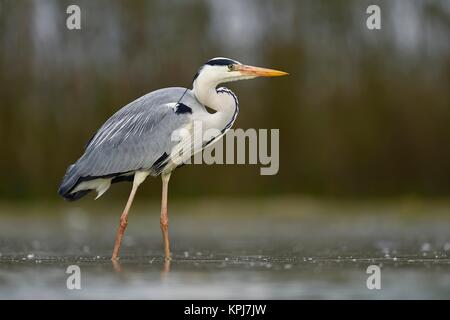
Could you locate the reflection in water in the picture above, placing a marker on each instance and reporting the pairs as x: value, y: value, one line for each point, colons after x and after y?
x: 231, y: 277
x: 118, y: 268
x: 166, y: 267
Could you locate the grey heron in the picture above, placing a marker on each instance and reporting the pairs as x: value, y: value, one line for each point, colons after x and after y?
x: 137, y: 140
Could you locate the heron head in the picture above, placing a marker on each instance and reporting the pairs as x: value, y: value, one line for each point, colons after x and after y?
x: 221, y: 70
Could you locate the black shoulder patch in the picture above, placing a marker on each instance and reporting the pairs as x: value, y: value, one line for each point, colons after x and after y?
x: 220, y: 62
x: 182, y: 108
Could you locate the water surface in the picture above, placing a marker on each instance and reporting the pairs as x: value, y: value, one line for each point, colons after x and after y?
x: 242, y: 250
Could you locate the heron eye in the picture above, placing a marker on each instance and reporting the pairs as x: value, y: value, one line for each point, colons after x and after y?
x: 230, y: 67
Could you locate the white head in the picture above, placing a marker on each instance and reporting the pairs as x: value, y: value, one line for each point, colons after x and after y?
x: 221, y: 70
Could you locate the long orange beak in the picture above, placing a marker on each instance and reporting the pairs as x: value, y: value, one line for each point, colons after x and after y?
x: 259, y: 72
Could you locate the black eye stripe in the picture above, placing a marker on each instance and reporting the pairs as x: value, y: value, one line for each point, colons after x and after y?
x: 217, y: 62
x: 220, y: 62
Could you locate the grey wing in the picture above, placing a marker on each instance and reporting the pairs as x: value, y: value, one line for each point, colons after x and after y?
x: 137, y: 135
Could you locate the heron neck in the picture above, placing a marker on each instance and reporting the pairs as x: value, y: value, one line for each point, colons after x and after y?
x: 209, y: 97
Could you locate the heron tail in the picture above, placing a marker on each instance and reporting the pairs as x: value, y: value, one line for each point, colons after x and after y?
x: 69, y: 182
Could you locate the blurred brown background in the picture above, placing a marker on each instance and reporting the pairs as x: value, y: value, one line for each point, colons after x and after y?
x: 363, y: 114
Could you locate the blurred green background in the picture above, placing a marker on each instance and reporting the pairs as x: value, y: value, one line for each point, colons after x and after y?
x: 363, y: 113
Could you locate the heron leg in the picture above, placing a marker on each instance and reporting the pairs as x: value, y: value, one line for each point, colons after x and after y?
x: 139, y: 177
x: 164, y: 221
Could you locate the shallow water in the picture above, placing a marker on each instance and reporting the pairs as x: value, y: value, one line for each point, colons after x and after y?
x: 304, y: 252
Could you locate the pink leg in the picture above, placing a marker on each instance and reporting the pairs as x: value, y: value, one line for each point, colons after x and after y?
x: 164, y: 221
x: 139, y: 177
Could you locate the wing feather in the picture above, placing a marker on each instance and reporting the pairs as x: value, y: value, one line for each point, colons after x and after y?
x: 136, y: 136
